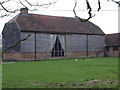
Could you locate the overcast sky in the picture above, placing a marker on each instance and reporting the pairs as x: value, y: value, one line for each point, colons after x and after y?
x: 106, y: 19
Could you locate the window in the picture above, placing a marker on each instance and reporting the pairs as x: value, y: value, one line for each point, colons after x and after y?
x: 115, y: 48
x: 107, y: 48
x: 58, y: 48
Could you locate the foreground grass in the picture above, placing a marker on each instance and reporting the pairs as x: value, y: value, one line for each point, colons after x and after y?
x: 0, y: 76
x: 67, y: 73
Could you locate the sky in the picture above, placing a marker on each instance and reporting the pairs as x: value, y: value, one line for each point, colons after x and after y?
x: 106, y: 18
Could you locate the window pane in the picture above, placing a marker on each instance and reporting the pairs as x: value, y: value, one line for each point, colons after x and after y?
x: 115, y: 48
x: 107, y: 48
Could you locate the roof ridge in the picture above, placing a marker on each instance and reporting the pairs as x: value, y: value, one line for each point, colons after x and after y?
x: 50, y: 15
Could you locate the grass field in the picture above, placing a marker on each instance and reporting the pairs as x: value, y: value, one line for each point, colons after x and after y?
x: 65, y: 73
x: 0, y: 76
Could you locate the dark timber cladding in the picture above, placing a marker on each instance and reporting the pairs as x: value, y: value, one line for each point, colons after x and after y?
x: 51, y: 37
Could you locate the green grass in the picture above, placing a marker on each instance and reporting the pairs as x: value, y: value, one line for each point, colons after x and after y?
x: 0, y: 76
x: 63, y: 73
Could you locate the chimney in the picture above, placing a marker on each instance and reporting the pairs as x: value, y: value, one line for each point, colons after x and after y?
x: 24, y: 11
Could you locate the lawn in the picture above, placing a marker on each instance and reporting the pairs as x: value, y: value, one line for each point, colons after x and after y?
x: 0, y: 76
x: 64, y: 73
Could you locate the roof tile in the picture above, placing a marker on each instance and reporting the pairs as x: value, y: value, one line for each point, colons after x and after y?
x: 112, y: 39
x: 55, y: 24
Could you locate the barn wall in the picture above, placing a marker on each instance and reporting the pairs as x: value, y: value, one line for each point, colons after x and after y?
x: 96, y: 43
x: 75, y: 43
x: 10, y: 36
x: 37, y: 46
x: 29, y: 44
x: 42, y: 42
x: 84, y: 45
x: 76, y: 46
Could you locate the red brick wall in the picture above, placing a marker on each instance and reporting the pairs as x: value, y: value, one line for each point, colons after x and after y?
x: 18, y: 56
x: 112, y: 53
x: 76, y: 54
x: 46, y: 55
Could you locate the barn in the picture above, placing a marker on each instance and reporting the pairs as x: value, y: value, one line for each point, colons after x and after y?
x: 50, y: 37
x: 112, y: 45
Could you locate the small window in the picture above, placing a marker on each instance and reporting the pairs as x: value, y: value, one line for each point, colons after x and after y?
x: 107, y: 48
x: 115, y: 48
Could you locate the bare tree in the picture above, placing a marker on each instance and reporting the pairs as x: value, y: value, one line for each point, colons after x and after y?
x: 118, y: 2
x: 89, y: 8
x: 17, y: 43
x: 6, y: 10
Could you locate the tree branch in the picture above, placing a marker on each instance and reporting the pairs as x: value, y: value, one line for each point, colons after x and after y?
x: 74, y: 8
x: 13, y: 11
x: 4, y: 1
x: 27, y: 2
x: 89, y: 11
x: 40, y: 5
x: 4, y: 7
x: 99, y: 4
x: 22, y: 3
x: 18, y: 42
x: 82, y: 20
x: 118, y: 2
x: 1, y: 4
x: 1, y: 16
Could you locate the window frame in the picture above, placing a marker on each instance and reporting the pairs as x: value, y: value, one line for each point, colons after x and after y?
x: 115, y: 48
x: 107, y: 48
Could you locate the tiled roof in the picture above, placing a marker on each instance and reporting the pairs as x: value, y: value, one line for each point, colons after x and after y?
x: 55, y: 24
x: 112, y: 39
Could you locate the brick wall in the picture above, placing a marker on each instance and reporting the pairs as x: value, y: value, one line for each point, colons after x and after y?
x: 24, y: 56
x: 18, y: 56
x: 46, y: 55
x: 76, y: 54
x: 112, y: 53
